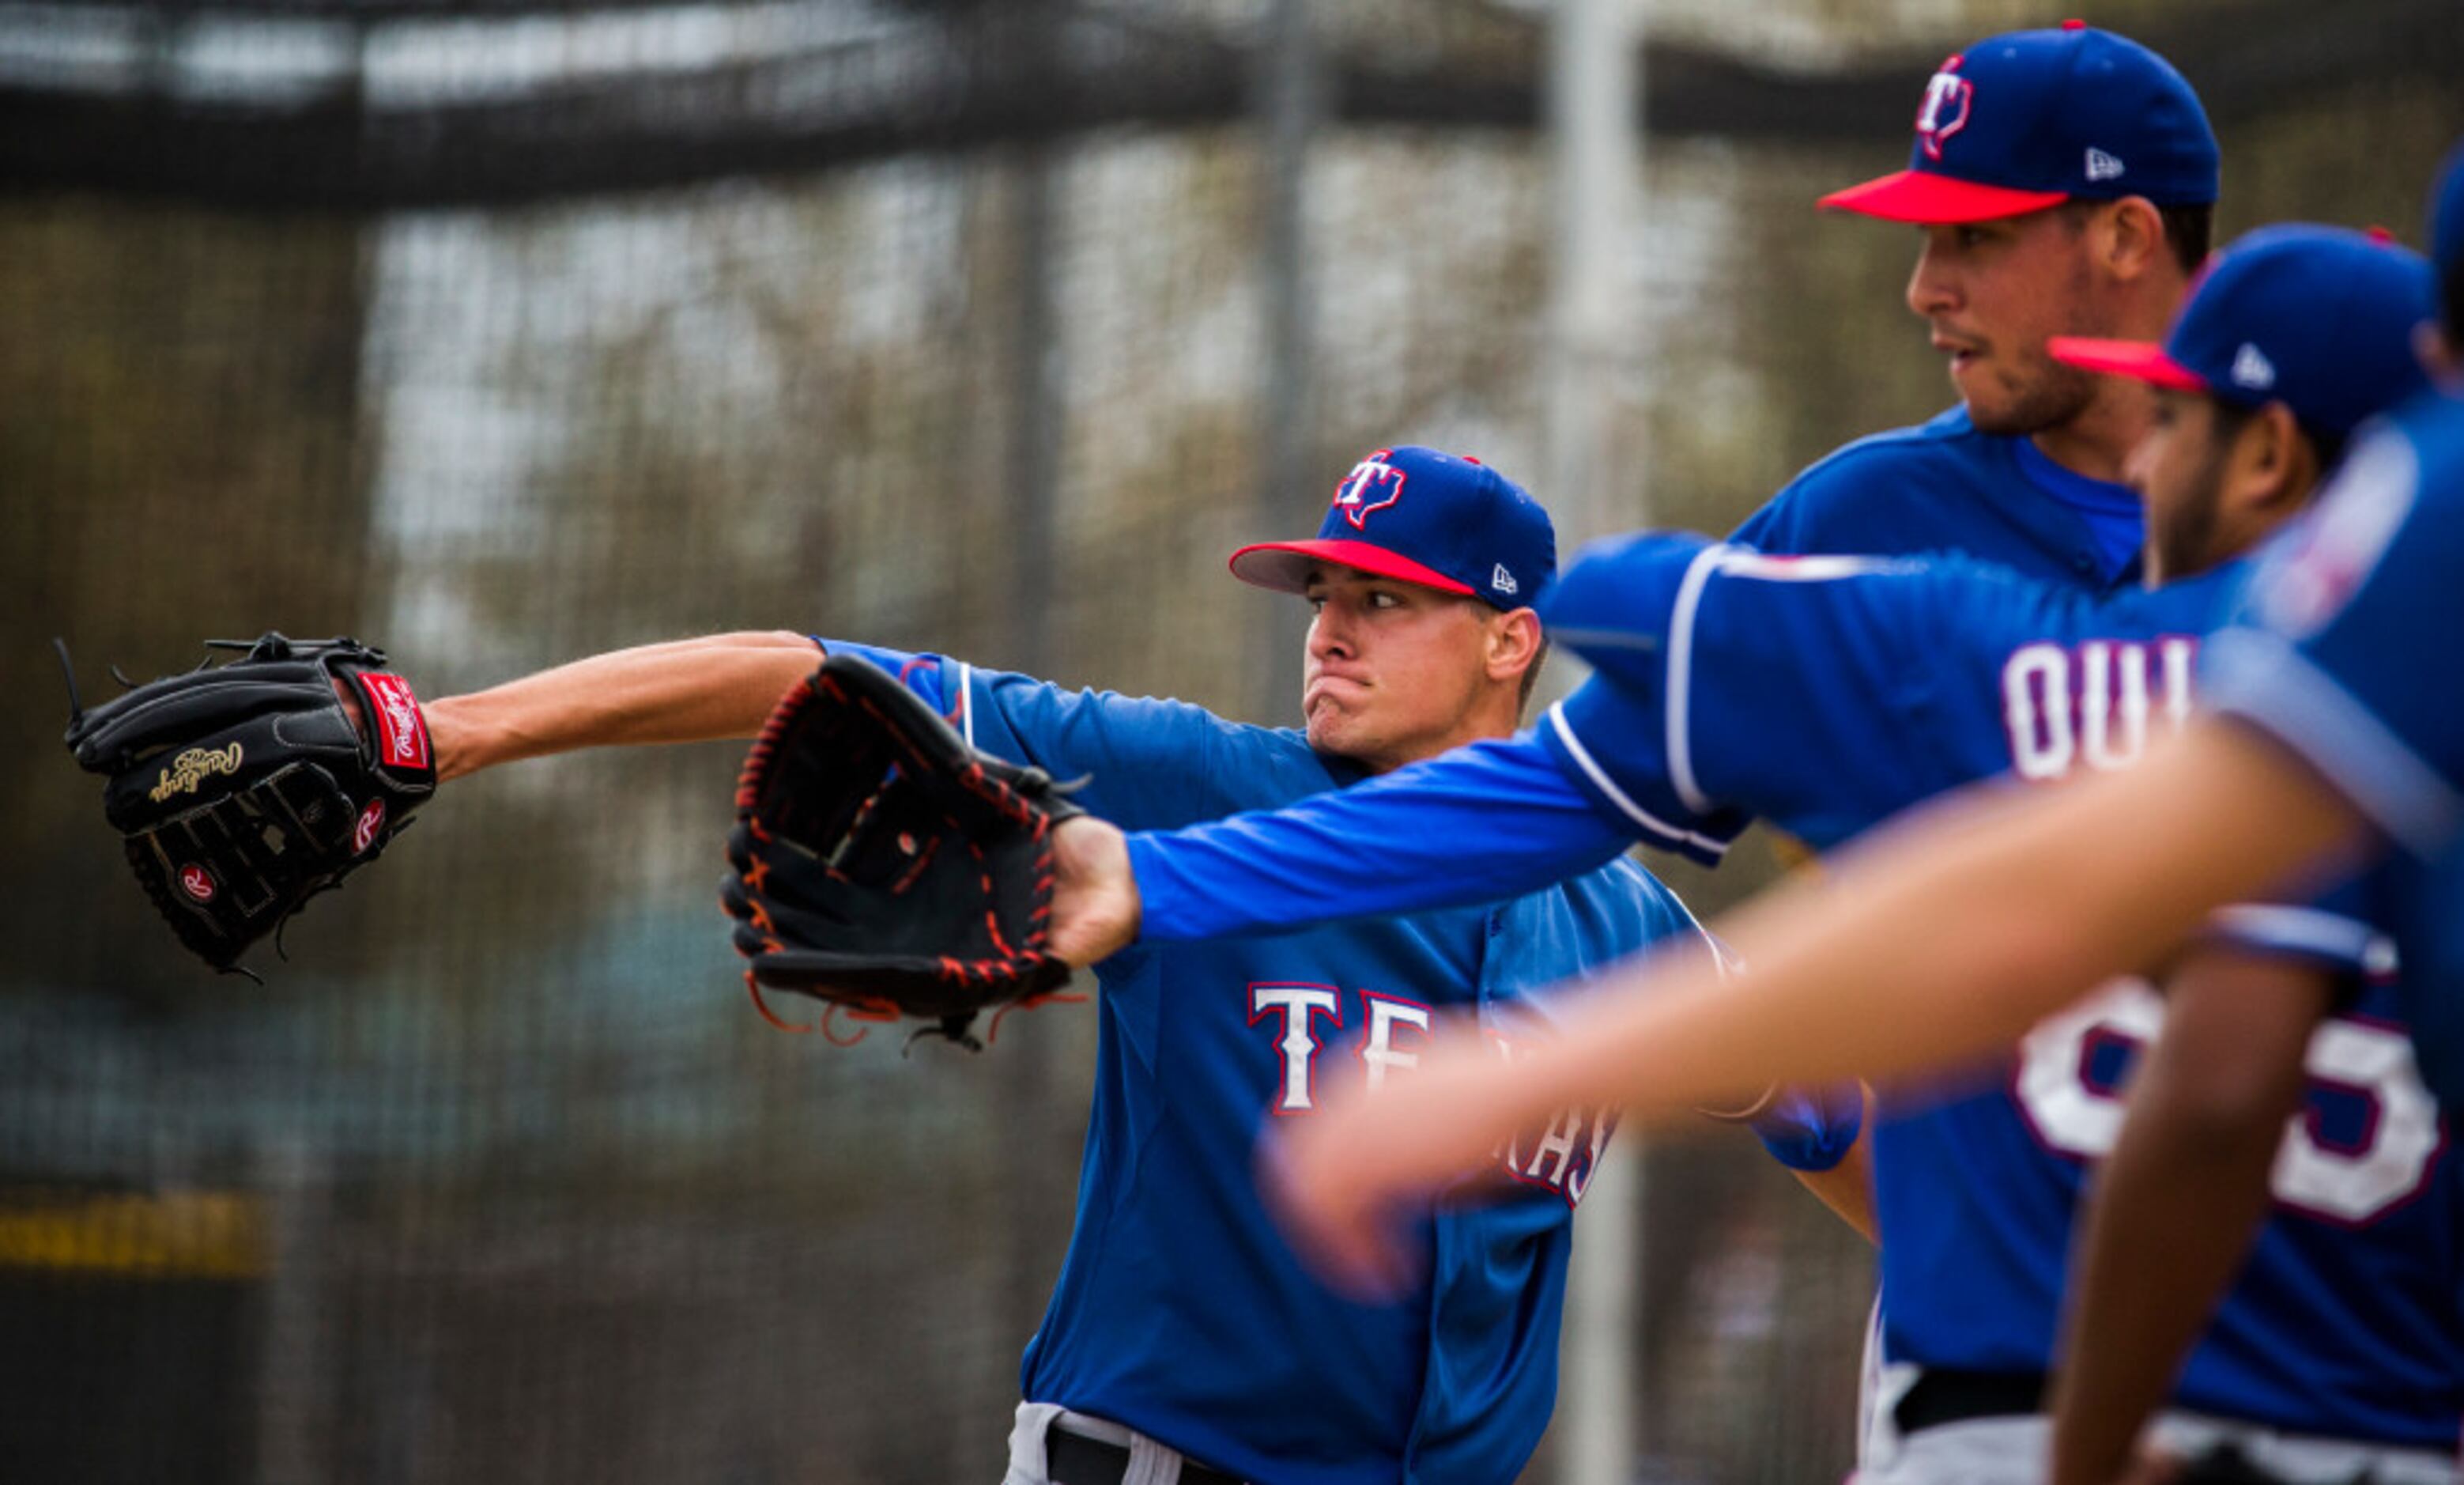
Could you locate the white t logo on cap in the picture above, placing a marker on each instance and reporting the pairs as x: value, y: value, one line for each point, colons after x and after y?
x: 2252, y: 369
x: 2101, y: 167
x: 1372, y: 474
x: 1945, y: 110
x: 1502, y: 581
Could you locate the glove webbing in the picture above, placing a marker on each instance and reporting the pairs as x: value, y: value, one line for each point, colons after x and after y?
x: 1005, y: 797
x: 998, y: 792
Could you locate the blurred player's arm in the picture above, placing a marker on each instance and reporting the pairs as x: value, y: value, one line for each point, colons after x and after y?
x: 1878, y: 974
x: 683, y: 690
x: 1845, y: 1182
x: 1944, y: 941
x: 1847, y: 1188
x: 2179, y: 1200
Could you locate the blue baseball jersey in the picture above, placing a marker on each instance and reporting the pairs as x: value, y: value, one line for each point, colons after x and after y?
x: 1944, y: 488
x: 1181, y: 1311
x: 2339, y: 660
x: 1826, y: 694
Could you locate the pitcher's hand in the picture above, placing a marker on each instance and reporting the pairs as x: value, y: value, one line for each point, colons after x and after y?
x: 1094, y: 898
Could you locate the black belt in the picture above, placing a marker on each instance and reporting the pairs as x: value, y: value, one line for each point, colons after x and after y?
x: 1941, y: 1397
x: 1075, y: 1459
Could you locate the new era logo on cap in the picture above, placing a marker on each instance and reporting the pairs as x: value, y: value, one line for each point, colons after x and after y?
x: 1502, y: 581
x: 2031, y: 119
x: 2318, y: 318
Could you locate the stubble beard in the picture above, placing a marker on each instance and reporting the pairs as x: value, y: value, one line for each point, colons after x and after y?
x: 2183, y: 542
x: 2054, y: 395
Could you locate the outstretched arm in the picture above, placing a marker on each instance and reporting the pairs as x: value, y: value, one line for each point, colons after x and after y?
x: 1942, y: 943
x: 683, y: 690
x: 1480, y: 824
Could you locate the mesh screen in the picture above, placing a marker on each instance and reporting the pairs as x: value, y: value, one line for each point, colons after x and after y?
x: 501, y: 335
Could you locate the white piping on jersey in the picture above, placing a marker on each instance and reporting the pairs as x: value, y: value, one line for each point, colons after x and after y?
x: 2255, y: 674
x: 966, y: 702
x: 1601, y: 781
x: 2308, y: 930
x: 1726, y: 560
x: 1680, y: 671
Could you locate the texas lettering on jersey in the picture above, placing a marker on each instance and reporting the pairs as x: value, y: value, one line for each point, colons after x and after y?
x: 1303, y: 1021
x: 1827, y: 697
x: 1202, y: 1045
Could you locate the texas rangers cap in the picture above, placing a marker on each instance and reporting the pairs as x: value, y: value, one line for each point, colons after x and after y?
x: 1441, y: 520
x: 2031, y: 119
x: 2316, y: 317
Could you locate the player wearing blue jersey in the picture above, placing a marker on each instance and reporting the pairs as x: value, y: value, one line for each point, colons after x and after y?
x: 2065, y: 182
x: 2200, y: 1132
x: 1827, y: 694
x: 1184, y: 1334
x: 1960, y: 930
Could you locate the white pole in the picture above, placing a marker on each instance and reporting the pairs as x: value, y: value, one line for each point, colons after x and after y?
x: 1595, y: 111
x: 1595, y: 131
x: 1595, y: 1419
x: 1288, y: 105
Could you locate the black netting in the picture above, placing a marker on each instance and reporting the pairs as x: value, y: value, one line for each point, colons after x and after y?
x: 501, y: 334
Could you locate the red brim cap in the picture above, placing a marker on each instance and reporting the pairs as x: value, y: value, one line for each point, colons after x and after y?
x: 1285, y: 566
x: 2142, y: 361
x: 1926, y: 199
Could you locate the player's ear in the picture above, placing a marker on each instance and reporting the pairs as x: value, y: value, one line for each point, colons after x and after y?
x: 1514, y: 643
x: 2279, y: 458
x: 2130, y: 238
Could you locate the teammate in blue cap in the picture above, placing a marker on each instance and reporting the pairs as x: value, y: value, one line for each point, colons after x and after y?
x: 2334, y: 742
x: 2178, y: 1198
x: 2328, y: 747
x: 2065, y: 182
x: 1185, y: 1339
x: 1828, y: 694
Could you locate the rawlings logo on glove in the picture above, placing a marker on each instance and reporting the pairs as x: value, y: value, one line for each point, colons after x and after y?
x: 243, y: 790
x: 192, y: 769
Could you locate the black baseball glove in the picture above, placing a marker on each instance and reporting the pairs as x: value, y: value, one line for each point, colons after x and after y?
x: 245, y: 788
x: 882, y: 865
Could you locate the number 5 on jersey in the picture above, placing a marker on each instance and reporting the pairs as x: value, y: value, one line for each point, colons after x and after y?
x: 2069, y: 1082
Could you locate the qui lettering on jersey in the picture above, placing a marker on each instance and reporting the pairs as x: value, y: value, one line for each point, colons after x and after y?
x: 2064, y: 705
x: 1304, y: 1019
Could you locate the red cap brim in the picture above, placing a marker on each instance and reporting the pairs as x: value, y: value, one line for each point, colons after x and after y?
x: 2142, y: 361
x: 1925, y: 198
x: 1283, y: 565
